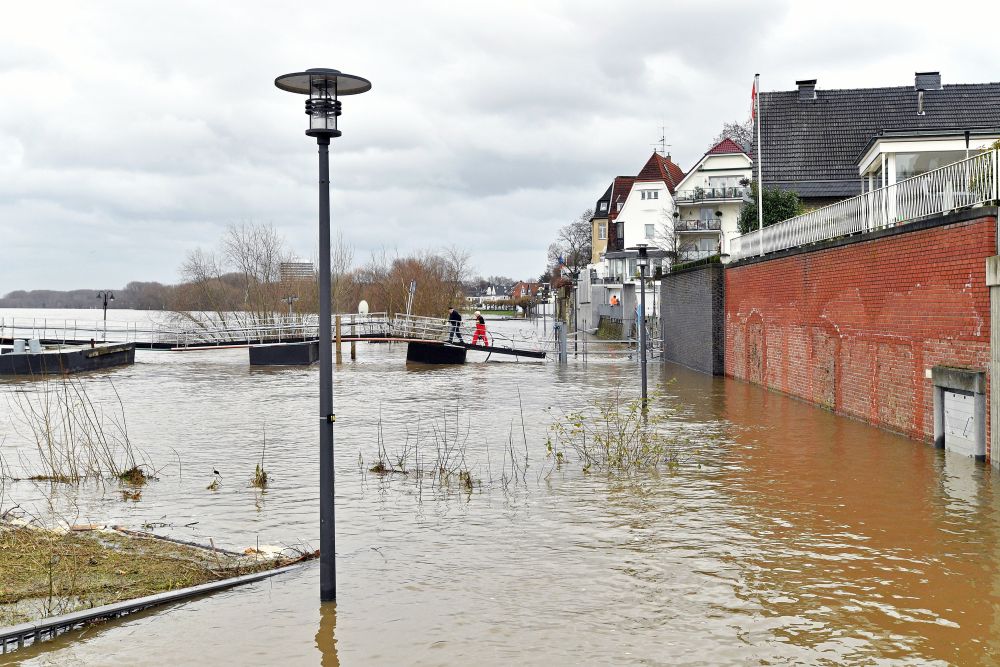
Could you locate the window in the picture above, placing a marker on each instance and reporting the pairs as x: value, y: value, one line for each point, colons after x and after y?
x: 649, y: 231
x: 620, y: 204
x: 909, y: 165
x: 602, y: 231
x: 650, y: 194
x: 603, y: 207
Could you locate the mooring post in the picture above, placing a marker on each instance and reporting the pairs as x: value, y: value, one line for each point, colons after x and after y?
x: 354, y: 354
x: 339, y: 358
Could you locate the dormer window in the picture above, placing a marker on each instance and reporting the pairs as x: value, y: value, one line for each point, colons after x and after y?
x: 603, y: 207
x: 620, y: 204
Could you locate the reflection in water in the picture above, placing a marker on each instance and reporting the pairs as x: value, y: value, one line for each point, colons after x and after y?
x: 787, y: 535
x: 326, y: 639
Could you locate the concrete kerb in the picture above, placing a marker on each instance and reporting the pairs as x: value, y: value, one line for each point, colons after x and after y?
x: 51, y: 627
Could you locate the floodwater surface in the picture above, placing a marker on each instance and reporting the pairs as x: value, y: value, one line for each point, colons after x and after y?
x: 785, y: 535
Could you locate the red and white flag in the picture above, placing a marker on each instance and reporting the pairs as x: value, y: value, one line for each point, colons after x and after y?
x: 753, y: 100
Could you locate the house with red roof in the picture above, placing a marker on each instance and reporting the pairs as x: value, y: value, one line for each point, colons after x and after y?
x: 708, y: 202
x: 648, y: 204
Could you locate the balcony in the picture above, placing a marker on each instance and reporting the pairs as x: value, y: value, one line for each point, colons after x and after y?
x: 713, y: 225
x: 712, y: 194
x: 692, y: 255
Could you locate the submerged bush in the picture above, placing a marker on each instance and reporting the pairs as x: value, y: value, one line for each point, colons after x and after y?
x: 615, y: 435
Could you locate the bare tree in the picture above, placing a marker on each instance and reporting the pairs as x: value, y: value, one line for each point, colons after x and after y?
x: 667, y: 237
x: 241, y: 284
x: 572, y: 247
x: 739, y: 131
x: 256, y: 251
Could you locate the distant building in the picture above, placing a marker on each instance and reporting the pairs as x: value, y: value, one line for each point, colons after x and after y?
x: 293, y: 271
x: 524, y: 290
x: 829, y: 145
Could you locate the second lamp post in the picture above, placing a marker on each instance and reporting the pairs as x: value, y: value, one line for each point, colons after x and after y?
x: 324, y: 86
x: 642, y: 261
x: 107, y: 295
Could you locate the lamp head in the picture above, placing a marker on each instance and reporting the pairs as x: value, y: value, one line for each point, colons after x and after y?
x: 323, y: 86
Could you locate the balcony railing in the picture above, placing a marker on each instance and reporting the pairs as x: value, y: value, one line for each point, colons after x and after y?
x: 698, y: 225
x: 975, y: 180
x: 699, y: 194
x: 692, y: 255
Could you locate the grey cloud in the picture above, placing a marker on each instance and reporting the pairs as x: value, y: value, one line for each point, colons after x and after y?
x: 132, y: 133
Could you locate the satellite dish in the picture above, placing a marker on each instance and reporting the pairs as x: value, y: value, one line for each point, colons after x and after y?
x: 363, y: 307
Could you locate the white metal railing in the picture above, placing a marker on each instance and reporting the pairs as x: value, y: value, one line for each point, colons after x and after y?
x: 192, y: 331
x: 958, y: 185
x: 698, y: 194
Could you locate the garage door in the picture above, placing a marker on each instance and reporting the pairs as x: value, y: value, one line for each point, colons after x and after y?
x: 959, y: 422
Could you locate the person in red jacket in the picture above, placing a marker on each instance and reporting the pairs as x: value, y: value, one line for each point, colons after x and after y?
x: 480, y: 330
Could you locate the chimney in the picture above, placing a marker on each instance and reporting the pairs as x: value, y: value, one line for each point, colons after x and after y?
x: 807, y: 89
x: 927, y: 80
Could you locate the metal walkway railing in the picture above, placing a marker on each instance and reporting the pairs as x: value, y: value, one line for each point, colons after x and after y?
x: 192, y: 331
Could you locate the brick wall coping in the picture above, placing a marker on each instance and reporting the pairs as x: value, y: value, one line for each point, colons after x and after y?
x: 700, y: 267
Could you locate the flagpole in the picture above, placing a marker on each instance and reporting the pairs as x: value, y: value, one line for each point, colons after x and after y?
x: 760, y: 167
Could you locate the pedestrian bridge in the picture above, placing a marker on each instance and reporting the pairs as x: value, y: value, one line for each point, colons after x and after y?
x: 189, y: 332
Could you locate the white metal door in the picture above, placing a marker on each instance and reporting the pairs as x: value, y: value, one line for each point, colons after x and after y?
x: 959, y: 422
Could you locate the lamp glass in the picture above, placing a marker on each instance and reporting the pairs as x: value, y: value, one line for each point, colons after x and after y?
x: 322, y: 104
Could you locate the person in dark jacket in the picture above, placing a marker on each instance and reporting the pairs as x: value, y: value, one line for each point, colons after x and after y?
x: 455, y: 320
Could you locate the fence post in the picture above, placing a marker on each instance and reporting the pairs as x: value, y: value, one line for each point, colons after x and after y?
x: 337, y: 322
x: 354, y: 354
x: 996, y: 174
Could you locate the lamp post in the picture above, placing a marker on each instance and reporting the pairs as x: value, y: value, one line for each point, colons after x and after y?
x: 642, y: 262
x: 323, y: 87
x: 107, y: 295
x: 290, y: 299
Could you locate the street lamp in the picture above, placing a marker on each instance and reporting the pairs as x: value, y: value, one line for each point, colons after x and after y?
x: 642, y: 262
x: 324, y: 86
x: 107, y: 295
x: 290, y: 299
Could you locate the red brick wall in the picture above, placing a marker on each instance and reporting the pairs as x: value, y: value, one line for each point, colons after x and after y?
x: 854, y: 327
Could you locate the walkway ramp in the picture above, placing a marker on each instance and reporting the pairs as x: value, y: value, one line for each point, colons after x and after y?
x: 439, y: 329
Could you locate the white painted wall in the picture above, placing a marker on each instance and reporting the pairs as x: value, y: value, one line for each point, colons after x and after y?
x: 638, y: 212
x: 734, y: 166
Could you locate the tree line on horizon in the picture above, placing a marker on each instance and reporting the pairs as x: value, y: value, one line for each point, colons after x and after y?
x: 242, y: 279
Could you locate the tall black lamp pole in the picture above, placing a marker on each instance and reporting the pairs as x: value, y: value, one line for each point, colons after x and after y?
x: 107, y: 296
x: 642, y: 262
x: 324, y: 86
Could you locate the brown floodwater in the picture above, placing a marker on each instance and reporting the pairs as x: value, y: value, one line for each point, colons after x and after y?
x: 786, y: 535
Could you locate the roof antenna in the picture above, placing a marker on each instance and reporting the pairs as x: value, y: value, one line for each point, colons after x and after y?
x: 661, y: 145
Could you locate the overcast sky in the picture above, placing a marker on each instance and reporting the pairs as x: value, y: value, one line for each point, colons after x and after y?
x: 133, y: 132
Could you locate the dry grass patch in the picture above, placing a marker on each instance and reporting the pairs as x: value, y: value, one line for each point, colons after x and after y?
x: 44, y: 573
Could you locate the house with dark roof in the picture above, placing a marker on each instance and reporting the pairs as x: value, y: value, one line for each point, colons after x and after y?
x: 829, y: 145
x: 709, y: 199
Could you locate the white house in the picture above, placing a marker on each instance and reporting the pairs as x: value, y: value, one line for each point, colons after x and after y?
x: 641, y: 216
x: 709, y: 199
